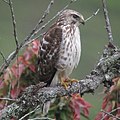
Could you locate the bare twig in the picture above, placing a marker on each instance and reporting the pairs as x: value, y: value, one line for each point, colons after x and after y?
x: 42, y: 118
x: 107, y: 21
x: 94, y: 14
x: 3, y: 57
x: 14, y: 23
x: 6, y: 1
x: 8, y: 99
x: 29, y: 113
x: 40, y: 35
x: 108, y: 113
x: 29, y: 37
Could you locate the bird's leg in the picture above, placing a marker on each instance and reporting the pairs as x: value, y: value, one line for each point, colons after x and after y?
x: 66, y: 81
x: 63, y: 80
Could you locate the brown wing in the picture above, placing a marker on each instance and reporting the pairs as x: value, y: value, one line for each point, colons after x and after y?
x: 49, y: 50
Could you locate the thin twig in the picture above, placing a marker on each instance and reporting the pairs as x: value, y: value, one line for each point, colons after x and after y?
x: 94, y: 14
x: 14, y: 23
x: 3, y: 57
x: 8, y: 99
x: 108, y: 113
x: 40, y: 35
x: 29, y: 113
x: 6, y: 1
x: 42, y: 118
x: 107, y: 21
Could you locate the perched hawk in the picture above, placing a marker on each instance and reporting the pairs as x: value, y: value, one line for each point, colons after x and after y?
x: 60, y: 48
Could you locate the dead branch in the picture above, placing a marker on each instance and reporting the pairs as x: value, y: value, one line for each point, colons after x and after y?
x: 4, y: 59
x: 9, y: 2
x: 110, y: 114
x: 14, y: 23
x: 107, y: 21
x: 106, y: 69
x: 94, y: 14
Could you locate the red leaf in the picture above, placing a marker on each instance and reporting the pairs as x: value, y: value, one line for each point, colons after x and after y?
x: 35, y: 46
x: 2, y: 104
x: 27, y: 56
x: 105, y: 102
x: 2, y: 83
x: 17, y: 70
x: 99, y: 116
x: 118, y: 111
x: 77, y: 103
x: 15, y: 92
x: 32, y: 68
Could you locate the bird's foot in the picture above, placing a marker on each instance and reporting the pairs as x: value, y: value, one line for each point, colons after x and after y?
x: 64, y: 83
x: 67, y: 82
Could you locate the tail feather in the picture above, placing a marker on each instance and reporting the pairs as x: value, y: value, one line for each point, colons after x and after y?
x: 46, y: 105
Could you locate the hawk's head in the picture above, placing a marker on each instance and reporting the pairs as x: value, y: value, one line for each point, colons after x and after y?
x: 72, y: 17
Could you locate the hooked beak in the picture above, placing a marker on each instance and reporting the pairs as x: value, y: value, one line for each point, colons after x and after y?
x: 82, y: 21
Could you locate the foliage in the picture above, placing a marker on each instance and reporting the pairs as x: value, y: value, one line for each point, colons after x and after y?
x: 111, y: 103
x: 23, y: 73
x: 20, y: 75
x: 69, y: 107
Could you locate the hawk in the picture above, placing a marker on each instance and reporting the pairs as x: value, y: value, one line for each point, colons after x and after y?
x: 60, y: 48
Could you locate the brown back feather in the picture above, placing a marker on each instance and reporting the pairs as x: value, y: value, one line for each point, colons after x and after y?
x: 49, y: 53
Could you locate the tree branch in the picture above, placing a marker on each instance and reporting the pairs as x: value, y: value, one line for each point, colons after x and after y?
x: 14, y: 23
x: 6, y: 1
x: 107, y: 68
x: 107, y: 21
x: 110, y: 114
x: 3, y: 57
x: 94, y: 14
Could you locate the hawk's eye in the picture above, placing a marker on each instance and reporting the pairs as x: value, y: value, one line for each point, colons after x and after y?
x: 75, y: 16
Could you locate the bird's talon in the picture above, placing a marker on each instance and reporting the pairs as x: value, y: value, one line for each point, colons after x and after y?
x: 67, y: 82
